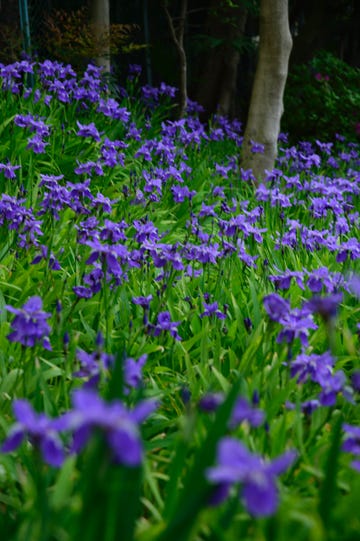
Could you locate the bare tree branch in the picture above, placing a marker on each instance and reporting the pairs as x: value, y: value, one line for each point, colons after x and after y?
x: 178, y: 39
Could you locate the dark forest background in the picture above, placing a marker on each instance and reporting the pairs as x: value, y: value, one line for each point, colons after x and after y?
x: 220, y: 38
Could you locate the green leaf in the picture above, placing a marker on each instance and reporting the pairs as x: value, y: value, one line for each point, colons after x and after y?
x: 64, y: 484
x: 328, y: 487
x: 196, y: 491
x: 110, y: 496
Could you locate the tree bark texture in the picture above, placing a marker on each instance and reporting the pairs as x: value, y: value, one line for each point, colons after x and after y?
x: 100, y: 18
x: 266, y: 105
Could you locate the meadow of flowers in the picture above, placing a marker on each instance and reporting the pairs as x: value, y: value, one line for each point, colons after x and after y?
x: 179, y: 348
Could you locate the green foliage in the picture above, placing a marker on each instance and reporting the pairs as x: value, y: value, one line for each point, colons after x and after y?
x: 167, y: 496
x: 321, y: 99
x: 71, y: 37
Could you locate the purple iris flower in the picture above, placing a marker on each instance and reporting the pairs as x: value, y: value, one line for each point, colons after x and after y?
x: 242, y: 411
x: 165, y: 253
x: 47, y: 99
x: 180, y: 193
x: 150, y: 95
x: 108, y: 255
x: 119, y: 425
x: 203, y: 253
x: 83, y: 292
x: 133, y: 132
x: 9, y: 170
x: 352, y: 443
x: 354, y: 285
x: 167, y: 90
x: 34, y: 124
x: 78, y: 192
x: 212, y: 309
x: 44, y: 254
x: 350, y: 248
x: 39, y: 429
x: 276, y: 306
x: 312, y: 366
x: 257, y: 148
x: 37, y: 144
x: 355, y: 380
x: 322, y: 277
x: 111, y: 157
x: 309, y: 406
x: 355, y: 464
x: 279, y: 199
x: 133, y: 371
x: 222, y: 170
x: 145, y: 231
x: 88, y: 130
x: 193, y: 107
x: 164, y: 323
x: 135, y: 69
x: 55, y: 198
x: 94, y: 279
x: 283, y: 280
x: 91, y: 364
x: 29, y: 325
x: 257, y: 477
x: 326, y: 307
x: 89, y: 168
x: 31, y: 230
x: 246, y: 258
x: 332, y: 384
x: 320, y: 369
x: 112, y: 109
x: 143, y: 301
x: 103, y: 203
x: 296, y: 323
x: 211, y: 401
x: 113, y: 231
x: 87, y: 229
x: 207, y: 210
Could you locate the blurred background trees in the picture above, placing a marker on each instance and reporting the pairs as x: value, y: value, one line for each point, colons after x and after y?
x: 220, y: 40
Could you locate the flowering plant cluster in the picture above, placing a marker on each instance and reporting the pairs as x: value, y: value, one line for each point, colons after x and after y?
x: 179, y: 347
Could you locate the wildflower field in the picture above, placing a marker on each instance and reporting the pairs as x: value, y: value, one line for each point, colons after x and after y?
x: 179, y: 348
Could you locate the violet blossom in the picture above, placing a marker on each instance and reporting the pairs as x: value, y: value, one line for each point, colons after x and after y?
x: 88, y: 130
x: 212, y: 309
x: 296, y: 322
x: 9, y: 170
x: 256, y: 476
x: 38, y: 429
x: 164, y: 323
x: 29, y: 325
x: 119, y: 426
x: 352, y: 443
x: 133, y: 372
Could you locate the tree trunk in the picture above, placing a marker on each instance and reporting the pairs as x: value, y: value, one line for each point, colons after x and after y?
x: 266, y: 105
x: 100, y: 18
